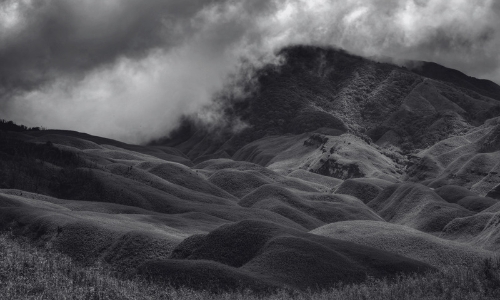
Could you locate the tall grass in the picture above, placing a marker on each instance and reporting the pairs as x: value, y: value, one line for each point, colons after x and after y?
x: 28, y: 272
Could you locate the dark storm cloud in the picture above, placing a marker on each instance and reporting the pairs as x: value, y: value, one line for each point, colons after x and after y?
x: 129, y: 69
x: 49, y: 38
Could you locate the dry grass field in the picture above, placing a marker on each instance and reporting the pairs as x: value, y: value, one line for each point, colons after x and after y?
x: 28, y: 272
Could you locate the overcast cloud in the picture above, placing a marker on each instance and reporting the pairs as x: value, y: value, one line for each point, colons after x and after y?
x: 128, y: 69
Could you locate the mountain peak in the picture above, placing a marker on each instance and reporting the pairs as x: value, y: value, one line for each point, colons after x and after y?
x: 329, y: 88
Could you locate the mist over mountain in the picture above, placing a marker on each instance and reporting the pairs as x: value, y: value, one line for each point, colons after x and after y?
x: 334, y: 91
x: 106, y: 67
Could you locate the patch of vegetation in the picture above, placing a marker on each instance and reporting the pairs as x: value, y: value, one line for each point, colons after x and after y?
x: 43, y: 168
x: 11, y: 126
x: 334, y: 169
x: 18, y: 150
x: 28, y: 272
x: 316, y: 140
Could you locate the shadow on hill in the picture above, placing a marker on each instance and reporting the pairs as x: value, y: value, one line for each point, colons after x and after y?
x: 307, y: 212
x: 416, y: 206
x: 291, y: 258
x: 405, y: 241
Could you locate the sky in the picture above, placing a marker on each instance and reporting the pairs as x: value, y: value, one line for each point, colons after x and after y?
x: 129, y: 69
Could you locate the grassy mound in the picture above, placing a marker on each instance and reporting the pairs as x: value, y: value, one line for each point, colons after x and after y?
x: 237, y: 183
x: 480, y: 230
x: 469, y: 160
x: 65, y: 137
x: 494, y: 193
x: 301, y: 209
x: 121, y: 236
x: 404, y: 241
x: 88, y: 236
x: 204, y: 275
x: 494, y: 208
x: 329, y: 182
x: 467, y: 228
x: 264, y: 150
x: 465, y: 198
x: 142, y: 189
x: 233, y: 245
x: 416, y: 206
x: 187, y: 178
x: 108, y: 174
x: 80, y: 144
x: 489, y: 238
x: 453, y: 193
x: 251, y: 171
x: 365, y: 189
x: 477, y: 204
x: 221, y: 164
x: 294, y: 258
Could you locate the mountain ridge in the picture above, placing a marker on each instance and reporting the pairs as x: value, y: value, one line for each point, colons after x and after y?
x: 325, y: 88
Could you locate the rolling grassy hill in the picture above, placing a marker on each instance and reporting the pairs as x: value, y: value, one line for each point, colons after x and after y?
x: 349, y: 171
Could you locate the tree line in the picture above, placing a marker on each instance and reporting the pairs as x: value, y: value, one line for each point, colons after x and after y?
x: 11, y: 126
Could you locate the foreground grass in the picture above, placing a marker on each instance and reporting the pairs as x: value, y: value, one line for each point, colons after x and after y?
x: 28, y: 272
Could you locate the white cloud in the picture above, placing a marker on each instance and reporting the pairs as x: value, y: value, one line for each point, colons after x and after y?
x: 134, y: 87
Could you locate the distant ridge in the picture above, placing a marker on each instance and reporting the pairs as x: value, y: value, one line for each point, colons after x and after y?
x: 438, y: 72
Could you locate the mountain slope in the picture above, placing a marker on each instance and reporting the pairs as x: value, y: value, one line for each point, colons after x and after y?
x: 327, y: 88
